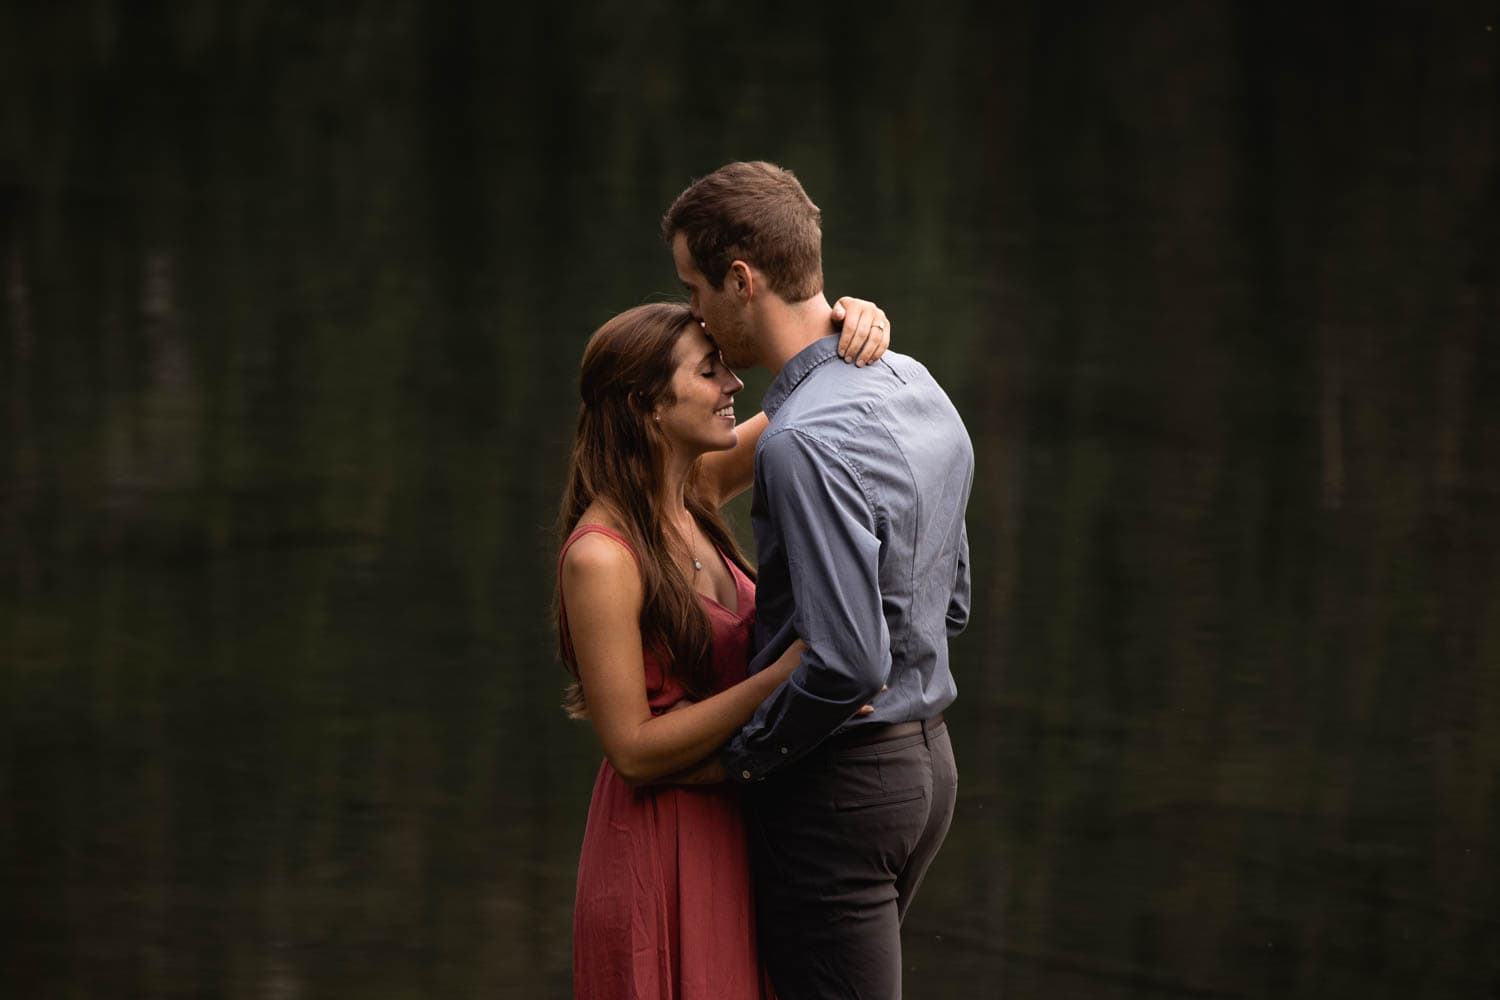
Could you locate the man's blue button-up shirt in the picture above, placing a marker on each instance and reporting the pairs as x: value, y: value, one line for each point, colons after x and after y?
x: 861, y: 481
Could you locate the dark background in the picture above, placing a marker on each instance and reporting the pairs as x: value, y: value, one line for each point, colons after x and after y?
x: 292, y: 299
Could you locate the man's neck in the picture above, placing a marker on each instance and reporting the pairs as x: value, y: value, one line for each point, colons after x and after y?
x: 788, y: 327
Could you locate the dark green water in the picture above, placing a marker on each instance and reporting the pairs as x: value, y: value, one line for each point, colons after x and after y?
x: 291, y: 304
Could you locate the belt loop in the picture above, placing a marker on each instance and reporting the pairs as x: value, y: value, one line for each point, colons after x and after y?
x: 924, y: 734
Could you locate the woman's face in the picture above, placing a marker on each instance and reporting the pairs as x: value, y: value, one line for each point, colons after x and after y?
x: 702, y: 417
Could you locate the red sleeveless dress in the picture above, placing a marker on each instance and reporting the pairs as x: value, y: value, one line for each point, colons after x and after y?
x: 664, y: 909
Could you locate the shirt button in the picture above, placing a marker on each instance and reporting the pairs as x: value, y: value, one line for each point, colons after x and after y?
x: 783, y: 751
x: 745, y: 775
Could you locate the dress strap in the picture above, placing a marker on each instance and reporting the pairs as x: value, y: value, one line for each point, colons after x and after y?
x: 579, y: 532
x: 595, y: 529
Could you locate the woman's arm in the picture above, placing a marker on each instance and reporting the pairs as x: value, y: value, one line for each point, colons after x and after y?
x: 865, y: 333
x: 727, y: 474
x: 602, y: 591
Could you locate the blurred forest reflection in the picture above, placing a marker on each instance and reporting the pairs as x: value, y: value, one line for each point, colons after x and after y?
x: 293, y: 300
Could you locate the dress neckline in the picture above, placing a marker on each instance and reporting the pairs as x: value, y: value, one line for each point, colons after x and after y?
x: 735, y: 575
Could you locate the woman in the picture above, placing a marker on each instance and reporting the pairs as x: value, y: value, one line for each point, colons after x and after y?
x: 656, y: 606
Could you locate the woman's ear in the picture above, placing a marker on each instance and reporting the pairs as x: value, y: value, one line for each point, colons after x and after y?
x: 640, y: 408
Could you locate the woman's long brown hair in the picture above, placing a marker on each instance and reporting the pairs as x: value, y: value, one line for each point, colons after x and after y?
x: 618, y: 462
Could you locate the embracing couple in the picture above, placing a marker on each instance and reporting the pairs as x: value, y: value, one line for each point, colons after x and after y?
x: 778, y: 776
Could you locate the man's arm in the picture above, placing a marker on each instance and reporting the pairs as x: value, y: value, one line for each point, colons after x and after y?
x: 603, y: 592
x: 958, y: 604
x: 824, y: 520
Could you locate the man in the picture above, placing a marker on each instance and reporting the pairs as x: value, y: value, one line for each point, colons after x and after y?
x: 861, y: 481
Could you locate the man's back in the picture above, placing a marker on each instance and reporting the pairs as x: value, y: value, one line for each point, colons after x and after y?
x: 860, y: 487
x: 861, y: 484
x: 861, y: 480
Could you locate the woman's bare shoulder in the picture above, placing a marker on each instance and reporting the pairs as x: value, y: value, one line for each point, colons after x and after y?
x: 597, y: 554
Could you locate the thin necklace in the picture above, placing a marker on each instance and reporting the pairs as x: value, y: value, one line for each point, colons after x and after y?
x: 692, y: 540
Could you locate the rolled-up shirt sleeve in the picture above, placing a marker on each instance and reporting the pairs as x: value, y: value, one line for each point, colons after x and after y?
x: 826, y: 523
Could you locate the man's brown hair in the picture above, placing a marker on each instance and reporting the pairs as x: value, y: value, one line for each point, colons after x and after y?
x: 756, y: 212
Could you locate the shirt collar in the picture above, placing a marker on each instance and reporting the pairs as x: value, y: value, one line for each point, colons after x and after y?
x: 801, y: 365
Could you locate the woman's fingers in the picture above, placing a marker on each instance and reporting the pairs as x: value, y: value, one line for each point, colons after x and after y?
x: 865, y: 333
x: 846, y: 312
x: 879, y: 338
x: 867, y: 709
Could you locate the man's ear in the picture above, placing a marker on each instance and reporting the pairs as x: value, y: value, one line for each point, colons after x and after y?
x: 740, y: 279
